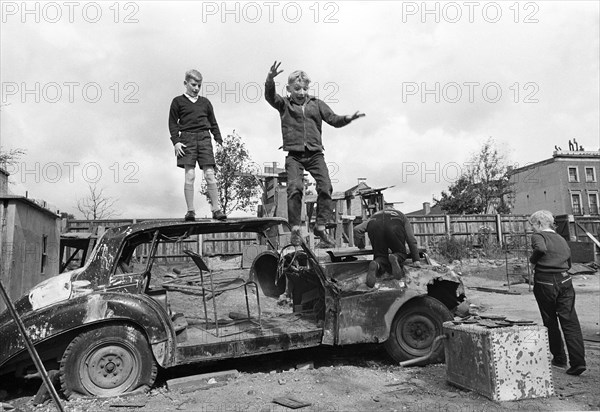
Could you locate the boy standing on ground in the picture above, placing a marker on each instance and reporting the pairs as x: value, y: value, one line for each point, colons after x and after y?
x: 301, y: 120
x: 554, y: 293
x: 191, y: 122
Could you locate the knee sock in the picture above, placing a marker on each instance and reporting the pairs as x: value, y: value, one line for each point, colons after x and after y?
x: 188, y: 192
x: 212, y: 192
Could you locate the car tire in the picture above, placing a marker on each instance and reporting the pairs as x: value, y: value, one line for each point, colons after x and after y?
x: 414, y: 329
x: 107, y: 361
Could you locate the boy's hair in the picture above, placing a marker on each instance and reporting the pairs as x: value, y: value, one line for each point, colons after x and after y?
x: 299, y: 76
x: 541, y: 218
x: 193, y: 74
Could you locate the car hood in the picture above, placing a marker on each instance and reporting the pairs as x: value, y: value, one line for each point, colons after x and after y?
x: 48, y: 292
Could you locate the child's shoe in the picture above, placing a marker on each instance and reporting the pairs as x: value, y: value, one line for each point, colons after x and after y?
x: 217, y: 214
x: 190, y: 216
x: 326, y: 241
x: 576, y: 370
x: 372, y: 274
x: 397, y: 271
x: 296, y: 237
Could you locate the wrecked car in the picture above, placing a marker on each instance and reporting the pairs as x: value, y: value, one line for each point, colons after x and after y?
x: 108, y: 326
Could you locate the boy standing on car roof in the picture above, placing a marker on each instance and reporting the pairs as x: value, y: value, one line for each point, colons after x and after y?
x: 301, y: 119
x: 191, y: 122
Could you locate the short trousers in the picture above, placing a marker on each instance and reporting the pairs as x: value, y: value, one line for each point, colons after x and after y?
x: 198, y: 148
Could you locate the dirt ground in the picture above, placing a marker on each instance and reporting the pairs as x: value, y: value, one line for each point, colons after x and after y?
x: 361, y: 378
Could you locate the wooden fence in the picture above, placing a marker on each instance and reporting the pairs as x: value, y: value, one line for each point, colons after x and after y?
x: 470, y: 229
x: 574, y: 228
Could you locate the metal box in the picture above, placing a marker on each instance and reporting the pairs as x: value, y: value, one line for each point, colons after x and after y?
x: 503, y: 364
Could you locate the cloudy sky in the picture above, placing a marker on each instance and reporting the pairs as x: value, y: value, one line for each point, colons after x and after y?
x: 86, y: 88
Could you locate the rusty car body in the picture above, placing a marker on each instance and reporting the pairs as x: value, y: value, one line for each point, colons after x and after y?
x: 107, y: 326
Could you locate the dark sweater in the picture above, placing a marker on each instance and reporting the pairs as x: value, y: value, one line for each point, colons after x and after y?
x: 551, y: 253
x: 401, y: 227
x: 301, y: 124
x: 185, y: 116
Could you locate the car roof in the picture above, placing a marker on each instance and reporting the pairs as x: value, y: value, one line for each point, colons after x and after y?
x: 200, y: 226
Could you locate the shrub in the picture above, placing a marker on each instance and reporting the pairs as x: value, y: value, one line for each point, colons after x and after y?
x: 449, y: 248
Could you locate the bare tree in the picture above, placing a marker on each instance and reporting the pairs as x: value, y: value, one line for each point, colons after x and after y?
x: 97, y: 205
x: 11, y: 157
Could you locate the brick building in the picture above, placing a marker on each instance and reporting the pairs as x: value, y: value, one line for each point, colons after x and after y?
x: 567, y: 183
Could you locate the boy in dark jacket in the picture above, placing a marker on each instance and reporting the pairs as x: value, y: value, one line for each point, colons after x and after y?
x: 389, y: 230
x: 554, y: 293
x: 191, y: 122
x: 301, y: 120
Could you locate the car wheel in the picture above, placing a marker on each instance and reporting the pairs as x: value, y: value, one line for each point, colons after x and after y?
x: 415, y: 327
x: 107, y: 361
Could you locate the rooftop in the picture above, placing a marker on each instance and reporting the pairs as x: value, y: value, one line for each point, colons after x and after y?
x: 561, y: 155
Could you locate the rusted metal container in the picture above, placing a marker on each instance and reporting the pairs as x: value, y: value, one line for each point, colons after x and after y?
x: 503, y: 364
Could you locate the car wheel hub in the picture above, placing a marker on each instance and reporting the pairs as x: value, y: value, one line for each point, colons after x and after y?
x: 110, y: 367
x: 418, y: 332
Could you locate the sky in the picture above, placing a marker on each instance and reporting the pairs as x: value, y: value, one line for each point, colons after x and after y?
x: 86, y: 89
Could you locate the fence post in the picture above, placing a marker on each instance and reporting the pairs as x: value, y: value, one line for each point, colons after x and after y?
x: 572, y: 220
x: 499, y: 229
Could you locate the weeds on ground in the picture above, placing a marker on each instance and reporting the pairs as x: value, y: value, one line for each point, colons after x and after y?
x: 448, y: 248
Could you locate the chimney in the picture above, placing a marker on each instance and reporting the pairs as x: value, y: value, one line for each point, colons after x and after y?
x: 426, y: 208
x: 3, y: 182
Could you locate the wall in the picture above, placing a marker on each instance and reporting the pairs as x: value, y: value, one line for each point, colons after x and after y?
x: 22, y: 245
x: 542, y: 186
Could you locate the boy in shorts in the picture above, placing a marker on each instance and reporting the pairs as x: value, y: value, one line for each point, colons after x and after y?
x: 191, y: 122
x: 301, y: 120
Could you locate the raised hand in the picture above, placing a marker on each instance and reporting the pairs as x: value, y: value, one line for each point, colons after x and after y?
x: 355, y: 116
x: 274, y: 71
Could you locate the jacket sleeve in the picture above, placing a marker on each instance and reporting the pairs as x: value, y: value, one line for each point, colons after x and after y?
x: 214, y: 127
x: 272, y: 97
x: 330, y: 117
x: 538, y: 245
x: 174, y: 121
x: 412, y: 241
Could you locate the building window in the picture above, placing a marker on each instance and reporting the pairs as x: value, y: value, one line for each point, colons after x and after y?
x: 573, y: 176
x: 590, y: 174
x: 44, y: 253
x: 593, y: 199
x: 576, y: 203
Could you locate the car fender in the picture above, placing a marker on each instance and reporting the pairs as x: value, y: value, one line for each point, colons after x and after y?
x: 91, y: 309
x: 368, y: 317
